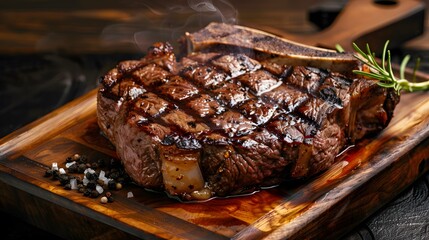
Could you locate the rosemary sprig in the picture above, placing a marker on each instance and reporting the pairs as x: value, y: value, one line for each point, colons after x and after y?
x: 384, y: 72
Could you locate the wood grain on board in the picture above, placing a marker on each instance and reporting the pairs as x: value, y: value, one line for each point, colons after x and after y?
x: 364, y: 179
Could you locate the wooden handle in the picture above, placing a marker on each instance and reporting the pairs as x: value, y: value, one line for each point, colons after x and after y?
x: 366, y: 21
x: 369, y: 21
x: 374, y: 23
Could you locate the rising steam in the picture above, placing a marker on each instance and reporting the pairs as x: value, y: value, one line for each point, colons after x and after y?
x: 168, y: 21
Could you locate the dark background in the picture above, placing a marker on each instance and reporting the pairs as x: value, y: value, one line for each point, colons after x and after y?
x: 52, y: 52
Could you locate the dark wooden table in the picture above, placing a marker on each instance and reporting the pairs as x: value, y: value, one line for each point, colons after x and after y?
x: 52, y: 52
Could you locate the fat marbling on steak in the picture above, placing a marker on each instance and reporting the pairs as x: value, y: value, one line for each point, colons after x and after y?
x: 224, y: 119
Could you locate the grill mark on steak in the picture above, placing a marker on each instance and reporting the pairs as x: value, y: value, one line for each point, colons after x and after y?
x: 207, y: 77
x: 224, y: 92
x: 182, y: 126
x: 234, y: 94
x: 249, y: 122
x: 306, y: 79
x: 293, y: 129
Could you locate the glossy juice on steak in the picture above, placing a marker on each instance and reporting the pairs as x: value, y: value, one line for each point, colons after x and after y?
x: 220, y: 122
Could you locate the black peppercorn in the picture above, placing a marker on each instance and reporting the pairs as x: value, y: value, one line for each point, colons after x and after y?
x: 73, y: 168
x: 91, y: 176
x: 55, y: 174
x: 81, y: 168
x: 48, y: 173
x: 101, y: 162
x: 72, y: 158
x: 81, y: 189
x: 114, y: 174
x: 64, y: 179
x: 67, y: 186
x: 91, y: 184
x: 83, y: 159
x: 78, y: 180
x: 94, y: 165
x: 111, y: 184
x: 87, y: 192
x: 94, y: 194
x: 114, y: 162
x: 77, y: 163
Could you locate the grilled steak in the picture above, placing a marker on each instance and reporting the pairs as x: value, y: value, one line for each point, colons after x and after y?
x: 219, y: 122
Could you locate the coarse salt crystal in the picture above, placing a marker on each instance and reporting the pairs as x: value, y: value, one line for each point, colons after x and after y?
x: 102, y: 175
x: 90, y: 170
x: 73, y: 183
x: 85, y: 181
x: 130, y: 195
x: 70, y: 163
x: 54, y: 166
x: 62, y: 171
x: 99, y: 189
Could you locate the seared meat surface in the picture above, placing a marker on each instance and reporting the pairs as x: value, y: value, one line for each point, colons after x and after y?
x: 219, y: 123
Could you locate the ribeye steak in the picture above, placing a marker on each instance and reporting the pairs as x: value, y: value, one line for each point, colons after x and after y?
x: 226, y: 117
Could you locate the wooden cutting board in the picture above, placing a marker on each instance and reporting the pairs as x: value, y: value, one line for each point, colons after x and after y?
x: 365, y: 178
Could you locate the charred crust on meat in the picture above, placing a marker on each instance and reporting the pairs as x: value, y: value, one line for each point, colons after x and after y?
x: 169, y: 140
x: 189, y: 143
x: 192, y: 124
x: 159, y: 49
x: 329, y: 94
x: 245, y: 120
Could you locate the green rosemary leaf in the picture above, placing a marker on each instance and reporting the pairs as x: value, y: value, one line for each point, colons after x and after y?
x: 370, y: 75
x: 339, y: 48
x: 384, y: 73
x: 403, y: 66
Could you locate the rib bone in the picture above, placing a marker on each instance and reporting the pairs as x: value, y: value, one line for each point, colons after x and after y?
x: 280, y: 50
